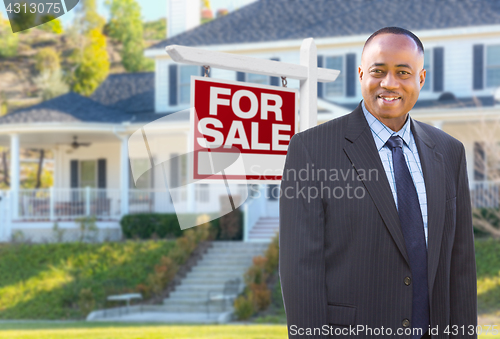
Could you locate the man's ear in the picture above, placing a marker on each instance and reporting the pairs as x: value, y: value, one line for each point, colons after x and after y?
x: 360, y: 73
x: 421, y: 76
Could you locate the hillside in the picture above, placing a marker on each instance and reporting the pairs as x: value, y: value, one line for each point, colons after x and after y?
x: 18, y: 73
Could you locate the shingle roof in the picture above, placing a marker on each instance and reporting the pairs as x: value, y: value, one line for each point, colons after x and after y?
x: 128, y: 92
x: 70, y: 107
x: 272, y: 20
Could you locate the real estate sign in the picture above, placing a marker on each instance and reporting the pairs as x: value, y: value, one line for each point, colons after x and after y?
x: 240, y: 131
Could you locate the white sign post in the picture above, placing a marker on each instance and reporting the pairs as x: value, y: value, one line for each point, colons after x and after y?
x: 307, y: 72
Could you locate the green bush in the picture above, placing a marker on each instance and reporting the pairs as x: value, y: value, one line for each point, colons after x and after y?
x: 243, y: 306
x: 145, y: 225
x: 166, y: 225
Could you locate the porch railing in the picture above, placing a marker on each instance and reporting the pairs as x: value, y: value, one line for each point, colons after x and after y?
x: 68, y: 203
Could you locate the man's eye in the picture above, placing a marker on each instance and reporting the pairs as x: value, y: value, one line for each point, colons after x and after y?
x: 376, y: 71
x: 404, y: 72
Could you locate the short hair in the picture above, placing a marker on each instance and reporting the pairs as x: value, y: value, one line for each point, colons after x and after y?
x: 396, y: 30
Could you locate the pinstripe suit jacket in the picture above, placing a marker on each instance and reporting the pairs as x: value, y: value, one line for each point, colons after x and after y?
x: 343, y: 259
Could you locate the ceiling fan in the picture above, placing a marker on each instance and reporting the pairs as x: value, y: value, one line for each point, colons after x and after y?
x: 75, y: 144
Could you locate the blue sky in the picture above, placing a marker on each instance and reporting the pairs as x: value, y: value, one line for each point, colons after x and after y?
x: 152, y: 10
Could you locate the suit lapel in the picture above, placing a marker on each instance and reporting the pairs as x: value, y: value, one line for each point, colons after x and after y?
x: 435, y: 187
x: 363, y: 154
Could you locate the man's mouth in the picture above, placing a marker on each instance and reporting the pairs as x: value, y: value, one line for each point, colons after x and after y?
x: 389, y: 98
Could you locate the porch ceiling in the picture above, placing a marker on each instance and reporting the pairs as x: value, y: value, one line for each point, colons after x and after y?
x: 52, y: 138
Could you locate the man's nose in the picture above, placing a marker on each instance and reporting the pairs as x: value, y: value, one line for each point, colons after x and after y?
x: 389, y: 81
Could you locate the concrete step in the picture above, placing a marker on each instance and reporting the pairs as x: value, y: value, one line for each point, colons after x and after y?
x: 235, y: 251
x: 199, y: 294
x: 218, y: 275
x: 225, y: 260
x: 200, y: 308
x: 200, y: 287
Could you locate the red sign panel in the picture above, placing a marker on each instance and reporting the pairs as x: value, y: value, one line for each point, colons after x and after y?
x: 254, y: 122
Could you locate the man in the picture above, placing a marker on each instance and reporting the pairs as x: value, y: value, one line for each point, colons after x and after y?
x: 375, y: 217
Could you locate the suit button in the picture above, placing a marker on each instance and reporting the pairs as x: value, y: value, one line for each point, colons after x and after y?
x: 407, y: 281
x: 406, y: 323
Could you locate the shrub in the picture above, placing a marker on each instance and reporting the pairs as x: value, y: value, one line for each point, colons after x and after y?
x: 144, y: 225
x: 86, y: 301
x: 244, y: 307
x: 261, y: 296
x: 163, y: 273
x: 231, y: 227
x: 47, y: 59
x: 272, y: 256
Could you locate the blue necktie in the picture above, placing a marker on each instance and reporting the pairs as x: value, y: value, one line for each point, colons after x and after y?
x: 412, y: 226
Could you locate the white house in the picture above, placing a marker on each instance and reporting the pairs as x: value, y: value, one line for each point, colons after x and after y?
x: 462, y: 58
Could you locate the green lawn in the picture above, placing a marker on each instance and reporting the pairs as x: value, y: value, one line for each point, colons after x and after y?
x: 83, y: 330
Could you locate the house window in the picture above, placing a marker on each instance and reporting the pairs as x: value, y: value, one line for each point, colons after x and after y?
x: 493, y: 66
x: 427, y: 66
x: 185, y: 82
x: 88, y: 173
x: 336, y: 88
x: 257, y: 79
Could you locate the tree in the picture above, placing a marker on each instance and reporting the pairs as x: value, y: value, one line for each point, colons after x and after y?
x: 93, y: 66
x: 125, y: 26
x: 8, y: 40
x: 90, y: 59
x: 155, y: 30
x: 53, y: 26
x: 88, y: 17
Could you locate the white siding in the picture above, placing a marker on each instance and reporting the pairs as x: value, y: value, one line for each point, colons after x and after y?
x: 109, y: 151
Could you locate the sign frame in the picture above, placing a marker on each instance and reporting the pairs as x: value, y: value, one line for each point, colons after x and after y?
x: 228, y: 177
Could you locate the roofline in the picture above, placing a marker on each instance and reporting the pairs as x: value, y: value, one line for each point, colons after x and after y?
x: 294, y: 44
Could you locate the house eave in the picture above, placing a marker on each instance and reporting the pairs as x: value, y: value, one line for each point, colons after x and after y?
x: 294, y: 44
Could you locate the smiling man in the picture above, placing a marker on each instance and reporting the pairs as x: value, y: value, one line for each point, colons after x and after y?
x: 385, y: 249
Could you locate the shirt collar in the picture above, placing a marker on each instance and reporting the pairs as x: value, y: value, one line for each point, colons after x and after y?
x: 382, y: 132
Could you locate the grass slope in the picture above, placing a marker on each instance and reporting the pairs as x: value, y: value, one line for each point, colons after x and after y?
x: 46, y: 281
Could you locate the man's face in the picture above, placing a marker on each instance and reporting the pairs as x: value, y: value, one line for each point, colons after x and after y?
x: 391, y: 75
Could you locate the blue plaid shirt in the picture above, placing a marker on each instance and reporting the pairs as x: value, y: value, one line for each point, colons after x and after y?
x: 382, y: 133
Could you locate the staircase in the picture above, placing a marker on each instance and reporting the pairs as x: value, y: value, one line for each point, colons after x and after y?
x: 264, y: 230
x: 224, y: 261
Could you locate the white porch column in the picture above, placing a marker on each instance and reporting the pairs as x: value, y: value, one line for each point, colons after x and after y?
x: 124, y: 175
x: 14, y: 174
x: 191, y: 188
